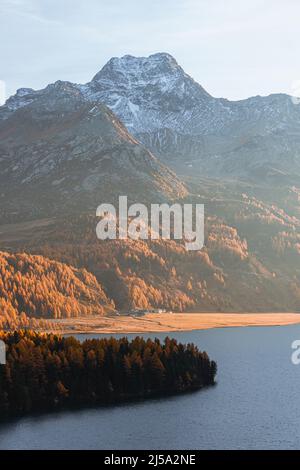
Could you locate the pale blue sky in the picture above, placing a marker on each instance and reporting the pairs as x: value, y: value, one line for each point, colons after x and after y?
x: 234, y: 48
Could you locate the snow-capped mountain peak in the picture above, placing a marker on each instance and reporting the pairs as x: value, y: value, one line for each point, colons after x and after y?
x: 140, y: 69
x: 137, y: 88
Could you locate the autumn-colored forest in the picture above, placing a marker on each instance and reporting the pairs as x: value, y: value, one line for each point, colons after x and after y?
x: 34, y: 288
x: 245, y: 265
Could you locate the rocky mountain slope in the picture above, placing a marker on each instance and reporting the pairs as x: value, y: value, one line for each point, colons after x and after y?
x: 62, y: 153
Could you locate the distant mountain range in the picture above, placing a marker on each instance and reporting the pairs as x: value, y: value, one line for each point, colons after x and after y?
x: 176, y: 119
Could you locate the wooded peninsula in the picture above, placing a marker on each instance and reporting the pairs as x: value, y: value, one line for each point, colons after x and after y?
x: 45, y: 372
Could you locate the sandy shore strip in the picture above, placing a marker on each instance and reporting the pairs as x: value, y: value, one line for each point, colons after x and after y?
x: 168, y: 322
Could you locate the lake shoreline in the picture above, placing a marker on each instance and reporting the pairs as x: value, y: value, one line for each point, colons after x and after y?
x: 104, y: 405
x: 172, y: 322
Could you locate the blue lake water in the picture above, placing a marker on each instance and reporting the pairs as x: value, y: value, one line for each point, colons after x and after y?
x: 255, y: 404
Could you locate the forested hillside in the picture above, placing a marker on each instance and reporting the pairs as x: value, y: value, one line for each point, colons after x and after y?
x: 36, y: 287
x: 249, y: 261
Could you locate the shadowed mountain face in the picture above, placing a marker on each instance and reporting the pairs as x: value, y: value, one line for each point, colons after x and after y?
x: 62, y: 153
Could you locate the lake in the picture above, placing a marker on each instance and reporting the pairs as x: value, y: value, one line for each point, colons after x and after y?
x: 255, y: 404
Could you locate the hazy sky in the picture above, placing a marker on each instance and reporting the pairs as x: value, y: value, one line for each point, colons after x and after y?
x: 234, y: 48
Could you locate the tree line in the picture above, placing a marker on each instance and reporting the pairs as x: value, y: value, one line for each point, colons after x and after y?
x: 48, y: 371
